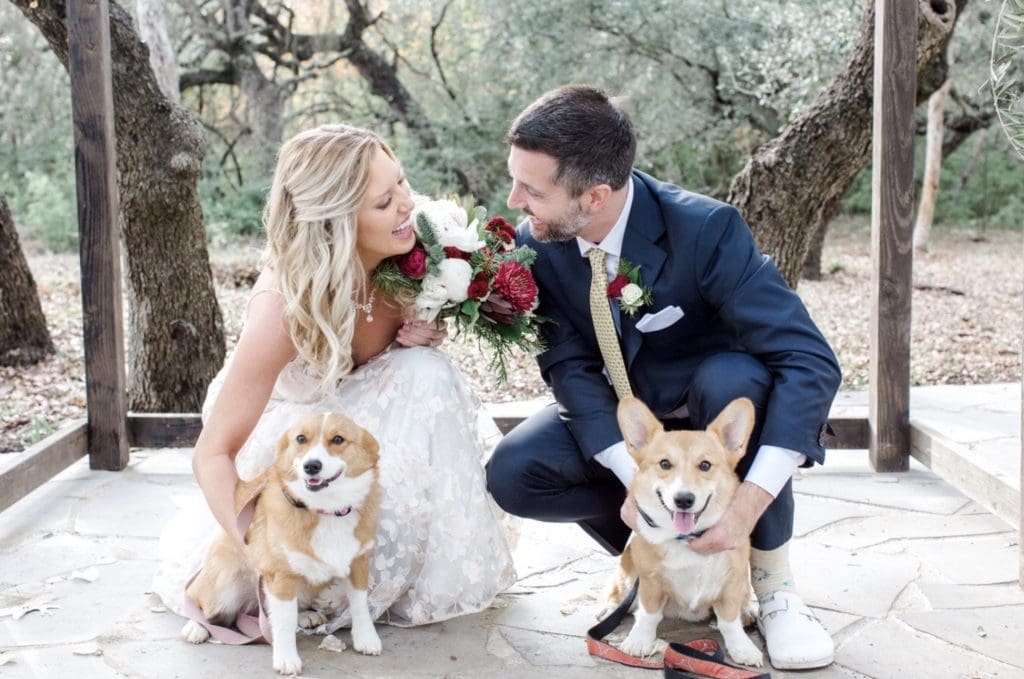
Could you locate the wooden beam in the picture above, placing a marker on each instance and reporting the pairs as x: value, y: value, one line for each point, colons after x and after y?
x: 92, y: 107
x: 180, y: 430
x: 955, y: 463
x: 163, y: 430
x: 32, y: 468
x: 892, y: 207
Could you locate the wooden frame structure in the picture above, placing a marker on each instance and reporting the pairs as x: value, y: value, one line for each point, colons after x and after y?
x: 110, y: 429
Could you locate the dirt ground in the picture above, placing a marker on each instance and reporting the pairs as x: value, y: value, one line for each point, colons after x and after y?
x: 967, y: 324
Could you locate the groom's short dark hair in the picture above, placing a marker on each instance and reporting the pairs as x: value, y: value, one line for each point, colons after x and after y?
x: 585, y: 130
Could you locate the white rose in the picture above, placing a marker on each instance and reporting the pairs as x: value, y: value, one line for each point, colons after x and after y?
x: 463, y: 239
x: 444, y: 214
x: 455, y: 276
x: 631, y: 294
x: 450, y: 223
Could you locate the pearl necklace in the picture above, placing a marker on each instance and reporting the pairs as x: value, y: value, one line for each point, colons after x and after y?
x: 367, y: 308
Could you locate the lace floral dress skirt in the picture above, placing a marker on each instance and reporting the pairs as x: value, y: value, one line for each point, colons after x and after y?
x: 441, y: 547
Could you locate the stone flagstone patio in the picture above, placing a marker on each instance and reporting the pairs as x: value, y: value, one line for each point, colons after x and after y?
x: 911, y: 577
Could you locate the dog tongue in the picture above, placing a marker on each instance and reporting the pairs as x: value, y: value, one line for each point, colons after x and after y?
x: 684, y: 522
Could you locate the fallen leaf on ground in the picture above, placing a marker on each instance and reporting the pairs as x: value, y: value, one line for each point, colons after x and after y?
x: 89, y: 648
x: 90, y: 574
x: 332, y: 643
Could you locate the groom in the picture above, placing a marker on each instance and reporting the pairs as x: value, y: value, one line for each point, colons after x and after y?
x: 718, y: 322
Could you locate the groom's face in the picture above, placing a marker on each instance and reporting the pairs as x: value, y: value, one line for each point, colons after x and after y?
x: 554, y: 215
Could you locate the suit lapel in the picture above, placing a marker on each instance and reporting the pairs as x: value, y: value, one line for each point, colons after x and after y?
x: 643, y: 230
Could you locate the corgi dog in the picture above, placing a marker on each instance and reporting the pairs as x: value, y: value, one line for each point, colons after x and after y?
x: 314, y: 522
x: 683, y: 483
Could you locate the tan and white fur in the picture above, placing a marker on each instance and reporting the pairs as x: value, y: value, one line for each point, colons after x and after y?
x: 314, y: 522
x: 683, y: 483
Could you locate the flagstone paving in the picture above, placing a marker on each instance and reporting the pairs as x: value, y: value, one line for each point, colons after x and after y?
x: 912, y: 578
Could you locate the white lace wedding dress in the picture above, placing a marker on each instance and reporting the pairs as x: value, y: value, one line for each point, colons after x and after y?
x: 441, y: 547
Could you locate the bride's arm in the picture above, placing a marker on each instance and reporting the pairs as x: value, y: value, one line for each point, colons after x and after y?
x: 263, y: 350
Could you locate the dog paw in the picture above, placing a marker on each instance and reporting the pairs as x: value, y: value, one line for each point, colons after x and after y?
x: 746, y: 653
x: 194, y: 633
x: 366, y: 642
x: 287, y: 663
x: 639, y: 646
x: 748, y: 614
x: 311, y: 619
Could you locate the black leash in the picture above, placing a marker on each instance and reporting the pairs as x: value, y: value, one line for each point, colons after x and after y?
x: 696, y: 659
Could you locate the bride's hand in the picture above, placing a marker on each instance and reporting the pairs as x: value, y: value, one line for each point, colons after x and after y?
x: 417, y: 333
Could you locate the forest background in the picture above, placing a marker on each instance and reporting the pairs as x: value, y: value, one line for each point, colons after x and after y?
x: 710, y: 85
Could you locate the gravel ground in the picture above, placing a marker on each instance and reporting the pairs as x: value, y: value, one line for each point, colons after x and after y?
x: 966, y: 326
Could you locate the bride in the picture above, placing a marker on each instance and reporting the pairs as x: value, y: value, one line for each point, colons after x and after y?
x: 319, y: 337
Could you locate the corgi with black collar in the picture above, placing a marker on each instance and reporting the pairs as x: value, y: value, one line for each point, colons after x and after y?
x: 314, y: 522
x: 683, y: 483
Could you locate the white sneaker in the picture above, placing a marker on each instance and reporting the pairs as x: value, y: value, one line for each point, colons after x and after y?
x: 794, y: 638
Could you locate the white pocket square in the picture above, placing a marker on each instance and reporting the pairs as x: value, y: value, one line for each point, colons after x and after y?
x: 660, y: 320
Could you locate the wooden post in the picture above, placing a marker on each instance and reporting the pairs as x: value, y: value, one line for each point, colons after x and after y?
x: 92, y: 107
x: 892, y: 208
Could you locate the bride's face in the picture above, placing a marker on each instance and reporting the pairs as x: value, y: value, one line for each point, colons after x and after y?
x: 384, y: 222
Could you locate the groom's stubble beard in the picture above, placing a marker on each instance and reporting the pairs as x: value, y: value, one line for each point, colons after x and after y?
x: 565, y: 228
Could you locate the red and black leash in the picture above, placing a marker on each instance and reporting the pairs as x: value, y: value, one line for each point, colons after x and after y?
x: 696, y: 659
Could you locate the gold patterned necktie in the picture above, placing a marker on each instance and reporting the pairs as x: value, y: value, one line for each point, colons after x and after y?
x: 604, y: 326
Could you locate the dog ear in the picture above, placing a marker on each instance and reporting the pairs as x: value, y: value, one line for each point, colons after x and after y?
x: 733, y: 426
x: 638, y: 425
x: 370, y: 445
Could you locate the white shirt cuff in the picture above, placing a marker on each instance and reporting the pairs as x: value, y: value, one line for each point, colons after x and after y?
x: 619, y: 461
x: 773, y: 466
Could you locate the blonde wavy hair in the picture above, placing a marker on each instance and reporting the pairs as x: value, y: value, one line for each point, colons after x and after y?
x: 310, y: 219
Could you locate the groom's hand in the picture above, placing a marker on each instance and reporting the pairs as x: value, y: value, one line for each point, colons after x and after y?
x: 417, y: 333
x: 738, y: 521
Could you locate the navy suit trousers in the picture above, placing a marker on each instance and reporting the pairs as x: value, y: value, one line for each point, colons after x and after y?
x: 538, y: 471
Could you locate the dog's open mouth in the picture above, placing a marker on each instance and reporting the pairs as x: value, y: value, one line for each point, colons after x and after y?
x: 315, y: 483
x: 684, y: 522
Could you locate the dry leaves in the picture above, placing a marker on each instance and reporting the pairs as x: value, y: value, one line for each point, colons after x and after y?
x: 968, y: 338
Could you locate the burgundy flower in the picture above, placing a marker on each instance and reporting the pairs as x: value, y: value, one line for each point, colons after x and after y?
x: 413, y: 263
x: 615, y: 287
x: 500, y: 227
x: 452, y: 252
x: 515, y: 284
x: 478, y: 287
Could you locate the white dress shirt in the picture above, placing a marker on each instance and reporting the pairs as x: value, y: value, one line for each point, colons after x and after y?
x: 772, y: 465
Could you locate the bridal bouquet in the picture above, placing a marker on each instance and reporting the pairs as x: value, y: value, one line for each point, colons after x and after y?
x: 463, y: 267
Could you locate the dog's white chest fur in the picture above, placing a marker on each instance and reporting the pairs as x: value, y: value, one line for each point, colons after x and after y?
x: 696, y: 579
x: 335, y: 545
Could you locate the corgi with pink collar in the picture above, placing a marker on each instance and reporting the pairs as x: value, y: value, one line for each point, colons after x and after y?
x: 313, y: 524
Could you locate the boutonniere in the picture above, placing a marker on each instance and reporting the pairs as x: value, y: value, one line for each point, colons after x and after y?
x: 628, y: 288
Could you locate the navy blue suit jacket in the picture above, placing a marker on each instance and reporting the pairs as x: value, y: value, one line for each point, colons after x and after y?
x: 698, y: 254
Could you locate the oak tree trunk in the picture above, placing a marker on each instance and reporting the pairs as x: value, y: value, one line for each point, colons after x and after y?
x: 163, y: 61
x: 786, y: 188
x: 265, y: 105
x: 176, y: 337
x: 932, y: 167
x: 24, y: 338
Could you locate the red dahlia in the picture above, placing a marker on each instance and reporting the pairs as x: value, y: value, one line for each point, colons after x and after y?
x: 515, y: 284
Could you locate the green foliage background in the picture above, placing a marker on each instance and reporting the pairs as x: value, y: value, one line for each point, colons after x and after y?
x: 706, y: 84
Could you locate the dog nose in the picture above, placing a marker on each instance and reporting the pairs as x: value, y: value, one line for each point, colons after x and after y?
x: 684, y: 501
x: 313, y: 467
